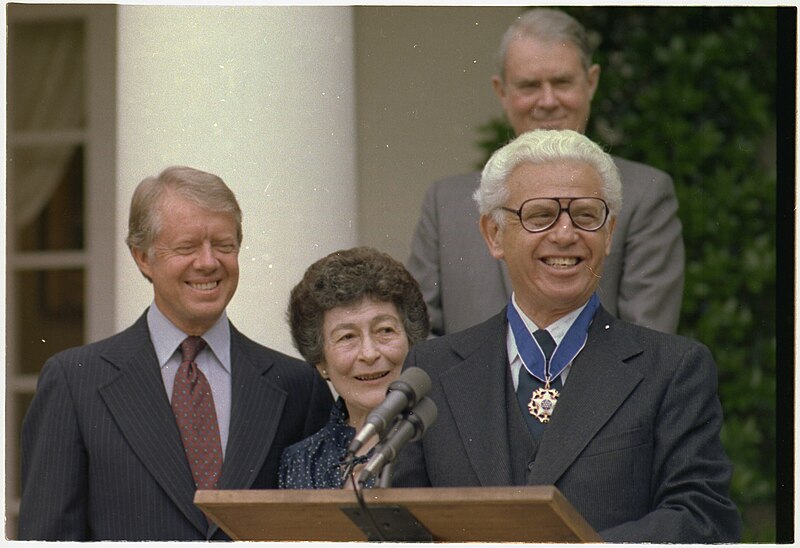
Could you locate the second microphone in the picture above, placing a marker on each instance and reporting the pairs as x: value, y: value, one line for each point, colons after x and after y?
x: 401, y: 396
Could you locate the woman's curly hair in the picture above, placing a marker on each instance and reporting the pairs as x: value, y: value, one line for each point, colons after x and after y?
x: 344, y: 278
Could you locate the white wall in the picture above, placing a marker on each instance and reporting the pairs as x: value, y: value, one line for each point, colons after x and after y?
x: 424, y: 88
x: 262, y: 97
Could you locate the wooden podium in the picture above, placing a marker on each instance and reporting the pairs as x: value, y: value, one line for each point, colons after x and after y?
x: 438, y: 514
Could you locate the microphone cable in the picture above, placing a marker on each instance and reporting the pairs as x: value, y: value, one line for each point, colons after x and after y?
x: 362, y: 505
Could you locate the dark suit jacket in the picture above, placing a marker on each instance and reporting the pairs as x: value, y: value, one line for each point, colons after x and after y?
x: 101, y: 453
x: 463, y: 284
x: 633, y: 443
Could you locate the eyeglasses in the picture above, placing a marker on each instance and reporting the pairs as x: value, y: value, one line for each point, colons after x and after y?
x: 539, y: 214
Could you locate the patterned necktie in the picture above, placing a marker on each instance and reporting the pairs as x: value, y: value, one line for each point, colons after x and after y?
x: 193, y: 406
x: 528, y: 383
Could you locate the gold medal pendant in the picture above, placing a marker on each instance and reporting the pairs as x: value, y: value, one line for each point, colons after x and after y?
x: 543, y: 402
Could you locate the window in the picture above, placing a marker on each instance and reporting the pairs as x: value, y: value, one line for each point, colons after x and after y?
x: 60, y: 168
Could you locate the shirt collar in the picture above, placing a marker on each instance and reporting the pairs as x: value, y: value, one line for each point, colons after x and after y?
x: 558, y: 329
x: 167, y: 337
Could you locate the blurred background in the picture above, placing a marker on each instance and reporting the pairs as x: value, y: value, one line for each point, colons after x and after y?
x: 330, y: 123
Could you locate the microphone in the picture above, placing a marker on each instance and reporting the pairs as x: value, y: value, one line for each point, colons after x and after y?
x: 401, y: 396
x: 410, y: 428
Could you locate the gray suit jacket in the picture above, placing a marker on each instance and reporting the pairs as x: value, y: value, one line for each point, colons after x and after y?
x: 633, y: 442
x: 463, y: 284
x: 101, y: 454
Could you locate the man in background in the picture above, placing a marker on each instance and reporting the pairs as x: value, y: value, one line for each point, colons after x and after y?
x: 122, y: 432
x: 546, y: 80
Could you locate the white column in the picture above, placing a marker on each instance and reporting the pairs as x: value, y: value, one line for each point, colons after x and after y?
x: 264, y: 98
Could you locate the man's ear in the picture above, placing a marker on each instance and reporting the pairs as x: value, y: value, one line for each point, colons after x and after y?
x: 593, y: 77
x: 492, y: 235
x: 499, y: 89
x: 143, y: 261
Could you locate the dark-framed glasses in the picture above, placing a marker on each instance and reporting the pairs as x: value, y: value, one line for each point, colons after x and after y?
x: 539, y: 214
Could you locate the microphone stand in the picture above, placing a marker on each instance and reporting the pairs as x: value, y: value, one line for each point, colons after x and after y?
x: 385, y: 523
x: 392, y: 522
x: 385, y: 479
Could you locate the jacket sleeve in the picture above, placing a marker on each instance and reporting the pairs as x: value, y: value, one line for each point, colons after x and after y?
x: 54, y: 503
x: 690, y: 472
x: 424, y: 260
x: 651, y: 285
x: 319, y: 408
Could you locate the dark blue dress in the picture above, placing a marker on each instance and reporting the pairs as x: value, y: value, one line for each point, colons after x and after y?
x: 314, y: 463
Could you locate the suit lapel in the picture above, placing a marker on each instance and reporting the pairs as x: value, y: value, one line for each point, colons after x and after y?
x: 598, y: 375
x: 257, y: 406
x: 481, y: 377
x: 137, y: 400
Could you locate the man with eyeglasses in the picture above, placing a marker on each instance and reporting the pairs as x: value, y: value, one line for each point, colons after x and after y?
x: 554, y: 390
x: 546, y: 80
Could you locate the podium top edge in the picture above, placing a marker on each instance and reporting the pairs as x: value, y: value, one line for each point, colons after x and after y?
x: 395, y: 495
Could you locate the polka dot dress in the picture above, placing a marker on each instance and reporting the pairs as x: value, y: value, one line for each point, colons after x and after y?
x: 314, y: 463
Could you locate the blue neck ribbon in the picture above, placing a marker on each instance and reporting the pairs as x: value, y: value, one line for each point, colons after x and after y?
x: 570, y: 346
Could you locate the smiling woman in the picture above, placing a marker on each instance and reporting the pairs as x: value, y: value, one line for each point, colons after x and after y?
x: 353, y: 317
x: 364, y: 348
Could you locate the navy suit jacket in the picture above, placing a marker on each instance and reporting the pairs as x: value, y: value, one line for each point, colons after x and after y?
x: 463, y: 284
x: 102, y: 458
x: 633, y: 442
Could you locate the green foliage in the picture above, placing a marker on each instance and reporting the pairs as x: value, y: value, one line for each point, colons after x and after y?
x: 692, y: 91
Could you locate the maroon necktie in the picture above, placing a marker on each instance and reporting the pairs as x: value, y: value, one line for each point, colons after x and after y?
x: 193, y: 405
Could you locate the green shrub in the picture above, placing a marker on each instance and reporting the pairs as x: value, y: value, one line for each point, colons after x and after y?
x: 692, y: 91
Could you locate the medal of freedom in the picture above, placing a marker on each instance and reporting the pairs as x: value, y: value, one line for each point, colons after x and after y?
x: 543, y: 402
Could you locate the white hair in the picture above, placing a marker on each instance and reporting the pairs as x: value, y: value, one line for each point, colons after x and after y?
x: 547, y: 25
x: 538, y: 147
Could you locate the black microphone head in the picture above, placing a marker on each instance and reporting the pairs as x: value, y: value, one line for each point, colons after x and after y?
x: 423, y: 415
x: 401, y: 395
x: 414, y: 383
